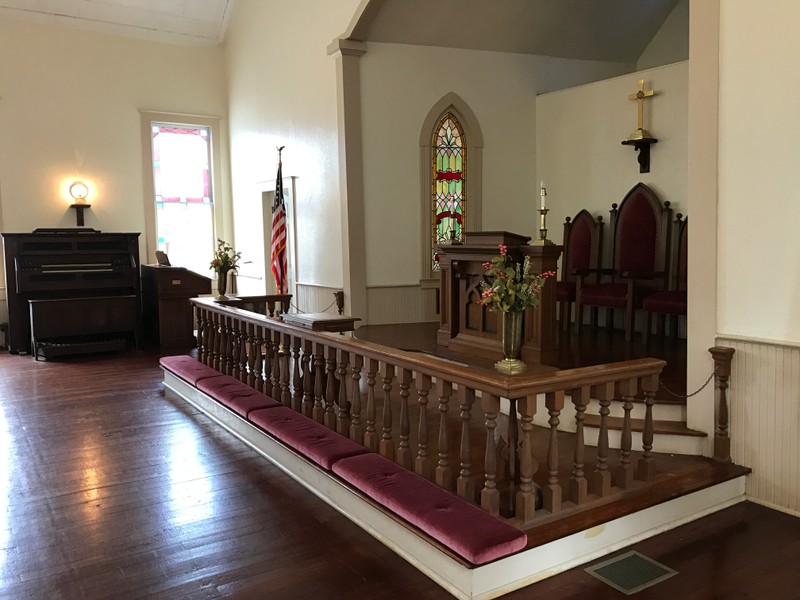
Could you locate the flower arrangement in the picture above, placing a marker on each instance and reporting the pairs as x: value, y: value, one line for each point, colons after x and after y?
x: 511, y: 288
x: 226, y: 259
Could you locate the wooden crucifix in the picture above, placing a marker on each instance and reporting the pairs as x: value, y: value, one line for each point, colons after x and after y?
x: 641, y: 139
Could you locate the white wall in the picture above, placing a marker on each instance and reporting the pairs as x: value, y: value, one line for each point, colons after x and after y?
x: 69, y: 108
x: 580, y: 155
x: 69, y: 102
x: 759, y: 266
x: 400, y: 85
x: 282, y: 92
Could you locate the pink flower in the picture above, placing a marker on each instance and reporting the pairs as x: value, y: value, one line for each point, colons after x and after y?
x: 503, y: 250
x: 487, y: 265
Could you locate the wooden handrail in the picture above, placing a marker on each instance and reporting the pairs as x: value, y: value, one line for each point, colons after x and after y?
x: 332, y: 378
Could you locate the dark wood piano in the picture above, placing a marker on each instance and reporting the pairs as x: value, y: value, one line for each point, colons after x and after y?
x: 71, y: 291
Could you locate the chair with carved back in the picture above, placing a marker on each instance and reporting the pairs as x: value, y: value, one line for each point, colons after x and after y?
x: 671, y: 302
x: 583, y: 241
x: 640, y: 233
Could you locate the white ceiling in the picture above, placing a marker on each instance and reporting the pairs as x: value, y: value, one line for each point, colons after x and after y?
x: 172, y: 21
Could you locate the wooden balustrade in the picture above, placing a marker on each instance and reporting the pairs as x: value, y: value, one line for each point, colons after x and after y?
x: 466, y: 429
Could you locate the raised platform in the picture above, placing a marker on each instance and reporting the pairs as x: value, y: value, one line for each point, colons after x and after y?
x: 690, y: 491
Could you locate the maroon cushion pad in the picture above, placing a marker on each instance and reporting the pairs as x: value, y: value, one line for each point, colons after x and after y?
x: 612, y: 295
x: 188, y: 368
x: 463, y: 527
x: 671, y: 302
x: 311, y: 439
x: 234, y: 394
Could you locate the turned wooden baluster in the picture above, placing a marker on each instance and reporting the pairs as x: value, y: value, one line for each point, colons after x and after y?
x: 330, y: 388
x: 199, y: 318
x: 269, y: 362
x: 356, y: 428
x: 444, y: 473
x: 600, y: 483
x: 423, y: 464
x: 236, y: 346
x: 525, y: 505
x: 243, y: 358
x: 251, y: 356
x: 490, y: 496
x: 554, y: 401
x: 578, y: 484
x: 214, y: 335
x: 308, y: 378
x: 297, y: 379
x: 286, y: 386
x: 277, y: 355
x: 465, y: 484
x: 386, y: 446
x: 370, y: 434
x: 512, y: 465
x: 258, y: 360
x: 722, y: 372
x: 404, y: 455
x: 319, y: 369
x: 646, y: 470
x: 226, y: 365
x: 342, y: 403
x: 624, y: 470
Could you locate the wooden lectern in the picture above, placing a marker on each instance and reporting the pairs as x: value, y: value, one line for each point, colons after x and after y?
x: 167, y: 312
x: 471, y: 328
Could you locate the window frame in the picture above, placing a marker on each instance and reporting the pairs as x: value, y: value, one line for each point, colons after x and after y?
x: 148, y: 119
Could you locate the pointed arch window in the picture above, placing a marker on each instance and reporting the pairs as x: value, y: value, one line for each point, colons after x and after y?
x: 451, y: 165
x: 449, y: 197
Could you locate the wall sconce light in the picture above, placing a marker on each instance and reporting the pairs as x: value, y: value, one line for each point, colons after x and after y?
x: 79, y: 191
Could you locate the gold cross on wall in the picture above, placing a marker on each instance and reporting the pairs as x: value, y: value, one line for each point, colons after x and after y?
x: 639, y: 97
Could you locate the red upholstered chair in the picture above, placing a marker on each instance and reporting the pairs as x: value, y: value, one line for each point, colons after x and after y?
x: 640, y: 231
x: 580, y: 263
x: 672, y: 301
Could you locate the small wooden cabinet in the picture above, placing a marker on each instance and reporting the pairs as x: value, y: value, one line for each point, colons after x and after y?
x: 167, y: 312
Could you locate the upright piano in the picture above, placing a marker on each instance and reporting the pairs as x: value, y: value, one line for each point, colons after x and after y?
x: 71, y: 290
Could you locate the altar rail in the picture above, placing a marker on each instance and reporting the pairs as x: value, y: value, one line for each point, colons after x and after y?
x: 309, y: 372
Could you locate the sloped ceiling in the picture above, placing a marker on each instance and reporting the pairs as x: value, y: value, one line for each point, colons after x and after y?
x: 606, y: 30
x: 200, y: 22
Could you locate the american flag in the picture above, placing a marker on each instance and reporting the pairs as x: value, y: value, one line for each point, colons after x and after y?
x: 279, y: 270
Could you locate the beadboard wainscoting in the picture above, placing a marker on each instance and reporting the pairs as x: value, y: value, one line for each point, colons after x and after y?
x: 315, y: 298
x: 401, y: 304
x: 764, y: 398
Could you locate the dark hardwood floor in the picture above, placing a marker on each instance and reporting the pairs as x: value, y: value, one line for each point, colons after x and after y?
x: 110, y: 490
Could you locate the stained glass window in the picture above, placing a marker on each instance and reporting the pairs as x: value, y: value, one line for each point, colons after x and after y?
x: 449, y: 183
x: 183, y: 197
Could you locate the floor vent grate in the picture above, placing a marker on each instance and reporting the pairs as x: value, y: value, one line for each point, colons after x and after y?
x: 630, y: 572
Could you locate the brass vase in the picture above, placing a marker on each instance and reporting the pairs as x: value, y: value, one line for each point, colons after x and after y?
x: 512, y: 344
x: 222, y: 285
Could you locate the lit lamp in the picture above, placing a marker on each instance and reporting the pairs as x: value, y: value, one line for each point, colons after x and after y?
x: 79, y: 191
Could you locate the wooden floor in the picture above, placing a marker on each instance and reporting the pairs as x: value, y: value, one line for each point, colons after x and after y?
x: 110, y: 490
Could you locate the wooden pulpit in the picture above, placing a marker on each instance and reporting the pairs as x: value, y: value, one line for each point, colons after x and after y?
x: 167, y: 312
x: 471, y: 328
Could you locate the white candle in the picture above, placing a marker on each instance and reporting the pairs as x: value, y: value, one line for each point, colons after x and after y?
x: 542, y: 193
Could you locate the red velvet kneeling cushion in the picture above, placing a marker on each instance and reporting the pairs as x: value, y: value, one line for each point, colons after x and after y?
x: 188, y: 368
x: 671, y: 302
x: 234, y: 394
x: 311, y: 439
x: 466, y: 529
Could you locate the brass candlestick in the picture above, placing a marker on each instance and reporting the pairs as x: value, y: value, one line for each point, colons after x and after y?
x: 542, y: 241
